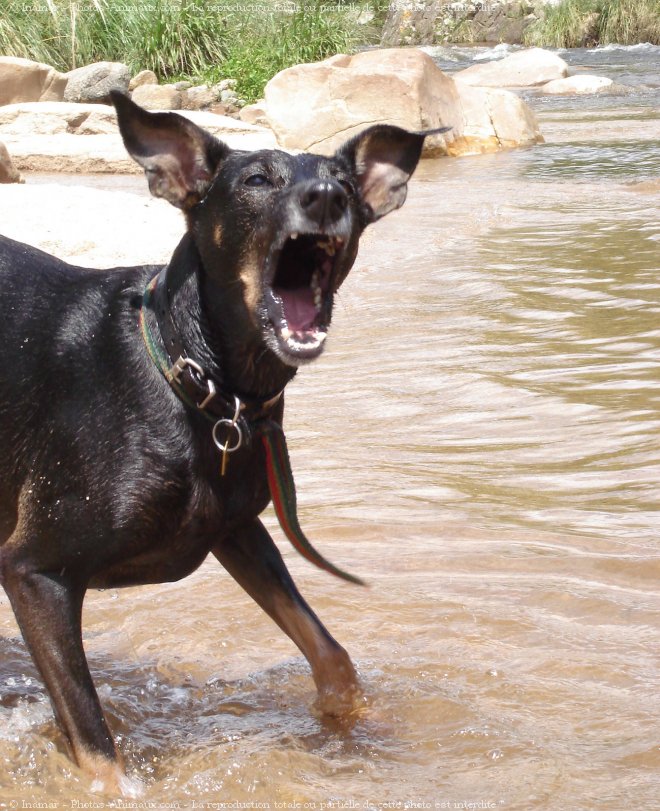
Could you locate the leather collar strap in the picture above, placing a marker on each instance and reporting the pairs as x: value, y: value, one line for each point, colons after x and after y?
x: 189, y: 380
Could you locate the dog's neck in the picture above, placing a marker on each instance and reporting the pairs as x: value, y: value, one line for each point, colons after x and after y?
x: 216, y: 329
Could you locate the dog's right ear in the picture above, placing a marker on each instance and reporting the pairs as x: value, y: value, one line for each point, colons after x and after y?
x: 179, y: 158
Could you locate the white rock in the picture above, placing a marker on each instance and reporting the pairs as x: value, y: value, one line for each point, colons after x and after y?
x: 528, y: 68
x: 576, y: 85
x: 56, y: 118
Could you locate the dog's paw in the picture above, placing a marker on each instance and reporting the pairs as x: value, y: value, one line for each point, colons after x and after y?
x: 112, y: 781
x: 347, y: 703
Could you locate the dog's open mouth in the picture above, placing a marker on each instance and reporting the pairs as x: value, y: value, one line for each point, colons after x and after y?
x: 299, y: 296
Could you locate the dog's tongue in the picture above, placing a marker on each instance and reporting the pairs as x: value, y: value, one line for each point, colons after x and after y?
x: 299, y: 309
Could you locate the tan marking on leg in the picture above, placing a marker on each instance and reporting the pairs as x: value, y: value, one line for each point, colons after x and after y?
x: 339, y: 691
x: 108, y: 776
x: 217, y: 235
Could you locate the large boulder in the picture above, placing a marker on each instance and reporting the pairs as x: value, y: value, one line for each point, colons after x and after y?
x: 8, y: 172
x: 92, y: 84
x: 24, y: 80
x: 493, y: 119
x: 528, y: 68
x: 318, y: 106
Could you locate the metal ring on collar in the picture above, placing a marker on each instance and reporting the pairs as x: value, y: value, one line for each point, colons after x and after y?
x: 225, y: 447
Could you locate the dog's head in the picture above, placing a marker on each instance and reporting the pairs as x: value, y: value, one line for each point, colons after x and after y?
x: 277, y: 233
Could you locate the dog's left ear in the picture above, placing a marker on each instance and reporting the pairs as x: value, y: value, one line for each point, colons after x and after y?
x: 383, y: 158
x: 179, y: 158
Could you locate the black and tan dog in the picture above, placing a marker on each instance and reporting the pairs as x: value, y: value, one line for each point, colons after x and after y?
x: 112, y: 433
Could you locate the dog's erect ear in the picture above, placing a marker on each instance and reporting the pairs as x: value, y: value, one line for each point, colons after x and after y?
x: 383, y: 158
x: 178, y: 157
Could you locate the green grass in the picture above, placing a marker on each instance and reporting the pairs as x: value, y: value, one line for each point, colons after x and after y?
x: 625, y: 22
x: 201, y: 40
x: 258, y: 53
x: 170, y: 37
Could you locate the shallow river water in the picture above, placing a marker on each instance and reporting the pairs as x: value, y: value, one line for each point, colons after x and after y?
x: 481, y: 442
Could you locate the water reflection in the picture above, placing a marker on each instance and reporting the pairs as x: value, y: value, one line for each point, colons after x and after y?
x: 577, y: 161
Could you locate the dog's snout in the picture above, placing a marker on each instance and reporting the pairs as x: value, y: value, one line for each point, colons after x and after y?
x: 324, y: 202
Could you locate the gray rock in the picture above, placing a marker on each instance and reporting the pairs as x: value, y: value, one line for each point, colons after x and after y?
x: 410, y: 22
x: 496, y: 22
x: 93, y: 83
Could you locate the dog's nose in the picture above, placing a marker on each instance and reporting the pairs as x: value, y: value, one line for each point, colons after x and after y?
x: 324, y: 202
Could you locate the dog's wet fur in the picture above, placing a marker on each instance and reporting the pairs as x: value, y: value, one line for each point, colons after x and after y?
x: 108, y: 479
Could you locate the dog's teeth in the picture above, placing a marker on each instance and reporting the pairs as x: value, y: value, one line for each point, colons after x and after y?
x: 315, y: 285
x: 286, y: 333
x: 294, y: 235
x: 327, y: 246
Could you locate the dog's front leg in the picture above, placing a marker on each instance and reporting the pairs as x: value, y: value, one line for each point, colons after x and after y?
x: 254, y: 561
x: 48, y: 610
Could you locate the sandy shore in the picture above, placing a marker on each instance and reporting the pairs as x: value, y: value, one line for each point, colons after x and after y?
x: 95, y: 227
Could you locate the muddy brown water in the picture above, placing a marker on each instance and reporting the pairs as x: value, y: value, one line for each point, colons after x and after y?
x: 481, y: 442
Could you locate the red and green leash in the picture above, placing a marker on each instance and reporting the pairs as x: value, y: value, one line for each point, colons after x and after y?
x: 283, y: 494
x: 278, y: 465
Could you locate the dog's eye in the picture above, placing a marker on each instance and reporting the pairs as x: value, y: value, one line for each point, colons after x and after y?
x: 257, y: 180
x: 348, y: 187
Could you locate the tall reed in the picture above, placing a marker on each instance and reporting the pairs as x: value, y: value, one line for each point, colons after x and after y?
x: 573, y: 23
x: 196, y: 39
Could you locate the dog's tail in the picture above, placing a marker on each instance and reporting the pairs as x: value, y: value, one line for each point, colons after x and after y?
x: 283, y: 494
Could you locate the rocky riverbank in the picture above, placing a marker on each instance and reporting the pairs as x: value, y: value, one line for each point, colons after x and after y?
x: 51, y: 122
x: 548, y: 23
x: 427, y: 22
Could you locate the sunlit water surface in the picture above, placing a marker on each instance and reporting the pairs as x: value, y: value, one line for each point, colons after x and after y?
x: 481, y: 442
